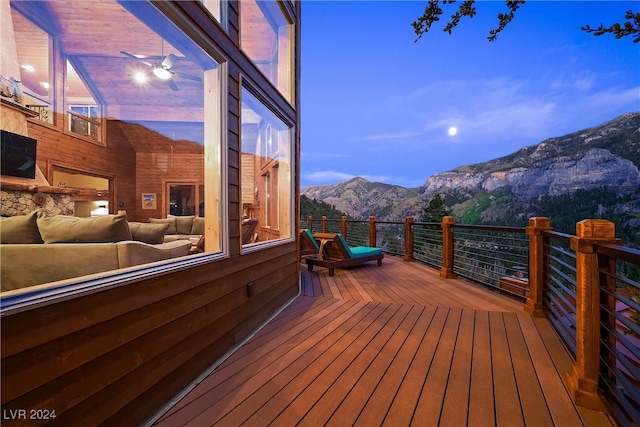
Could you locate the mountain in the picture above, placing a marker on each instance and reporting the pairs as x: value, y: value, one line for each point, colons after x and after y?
x: 360, y: 198
x: 601, y: 162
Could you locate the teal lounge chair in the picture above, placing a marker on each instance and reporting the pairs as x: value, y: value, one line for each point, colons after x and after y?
x: 334, y: 252
x: 308, y: 245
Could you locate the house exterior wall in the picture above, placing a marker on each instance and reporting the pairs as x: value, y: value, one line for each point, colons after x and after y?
x: 119, y: 352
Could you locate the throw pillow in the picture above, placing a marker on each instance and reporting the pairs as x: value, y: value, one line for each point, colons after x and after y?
x: 183, y: 223
x: 198, y: 226
x: 70, y: 229
x: 21, y: 228
x: 148, y: 233
x: 171, y: 221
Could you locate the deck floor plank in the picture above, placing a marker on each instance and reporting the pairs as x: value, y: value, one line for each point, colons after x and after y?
x: 388, y: 391
x: 456, y: 403
x: 534, y: 407
x: 297, y: 392
x: 481, y: 401
x: 505, y: 390
x: 394, y: 345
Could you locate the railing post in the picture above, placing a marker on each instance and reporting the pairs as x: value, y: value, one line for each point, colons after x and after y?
x: 310, y: 222
x: 372, y: 231
x: 533, y: 305
x: 582, y: 380
x: 323, y: 224
x: 408, y: 239
x: 447, y: 248
x: 343, y: 226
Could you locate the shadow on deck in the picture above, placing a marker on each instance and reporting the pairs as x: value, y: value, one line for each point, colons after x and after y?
x: 392, y: 345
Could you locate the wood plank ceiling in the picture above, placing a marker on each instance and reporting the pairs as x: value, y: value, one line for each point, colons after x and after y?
x: 94, y: 35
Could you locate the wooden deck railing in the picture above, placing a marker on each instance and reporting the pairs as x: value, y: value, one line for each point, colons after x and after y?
x: 586, y: 284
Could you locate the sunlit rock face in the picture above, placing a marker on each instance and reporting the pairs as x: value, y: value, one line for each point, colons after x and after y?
x: 597, y: 168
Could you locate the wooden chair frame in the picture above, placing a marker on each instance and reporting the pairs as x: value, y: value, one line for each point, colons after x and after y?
x: 333, y: 254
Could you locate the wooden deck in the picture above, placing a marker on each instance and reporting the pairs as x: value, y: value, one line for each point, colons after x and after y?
x: 393, y: 345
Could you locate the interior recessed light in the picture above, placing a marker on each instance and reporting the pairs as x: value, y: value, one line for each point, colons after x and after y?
x: 44, y: 85
x: 140, y: 77
x: 29, y: 68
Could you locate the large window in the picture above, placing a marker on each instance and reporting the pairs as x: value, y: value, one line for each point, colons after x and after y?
x: 267, y: 37
x: 267, y: 195
x: 33, y: 50
x: 134, y: 82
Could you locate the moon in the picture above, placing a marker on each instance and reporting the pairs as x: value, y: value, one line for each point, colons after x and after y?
x: 453, y: 130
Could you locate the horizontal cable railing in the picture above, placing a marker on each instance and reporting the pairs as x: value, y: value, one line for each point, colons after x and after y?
x: 389, y: 237
x: 427, y: 243
x: 357, y: 233
x: 559, y: 278
x: 496, y: 257
x: 620, y: 330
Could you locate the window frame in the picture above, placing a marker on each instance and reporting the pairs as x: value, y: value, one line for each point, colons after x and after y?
x: 289, y: 90
x: 27, y: 298
x: 269, y: 166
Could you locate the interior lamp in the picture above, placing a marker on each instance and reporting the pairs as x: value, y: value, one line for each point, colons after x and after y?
x: 162, y: 73
x: 101, y: 211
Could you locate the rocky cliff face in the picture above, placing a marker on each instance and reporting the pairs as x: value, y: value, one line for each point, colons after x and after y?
x: 597, y: 168
x: 607, y: 155
x: 604, y: 156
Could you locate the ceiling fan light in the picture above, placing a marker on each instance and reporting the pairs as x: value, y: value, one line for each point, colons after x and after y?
x: 162, y: 73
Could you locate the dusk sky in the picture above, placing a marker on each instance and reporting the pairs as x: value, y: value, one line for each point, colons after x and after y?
x: 378, y: 105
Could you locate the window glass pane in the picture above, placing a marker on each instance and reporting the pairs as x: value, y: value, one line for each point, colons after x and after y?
x: 215, y: 7
x: 154, y: 97
x: 33, y: 46
x: 267, y: 198
x: 266, y: 37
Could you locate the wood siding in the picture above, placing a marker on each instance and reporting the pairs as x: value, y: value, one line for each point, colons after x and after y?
x: 117, y: 355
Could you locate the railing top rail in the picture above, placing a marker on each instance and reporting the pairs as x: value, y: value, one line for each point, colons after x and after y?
x: 623, y: 253
x: 492, y: 228
x: 557, y: 235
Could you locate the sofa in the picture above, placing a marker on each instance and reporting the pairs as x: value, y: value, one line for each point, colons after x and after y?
x: 181, y: 227
x: 35, y: 249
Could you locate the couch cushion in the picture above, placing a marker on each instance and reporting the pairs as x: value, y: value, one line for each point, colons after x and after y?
x: 148, y: 233
x: 20, y: 229
x: 70, y: 229
x: 171, y: 221
x: 183, y: 223
x: 198, y: 226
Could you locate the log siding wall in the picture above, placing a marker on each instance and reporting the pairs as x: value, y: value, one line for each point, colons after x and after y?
x: 118, y: 355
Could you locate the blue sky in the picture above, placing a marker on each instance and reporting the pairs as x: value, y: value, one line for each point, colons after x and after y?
x: 378, y: 105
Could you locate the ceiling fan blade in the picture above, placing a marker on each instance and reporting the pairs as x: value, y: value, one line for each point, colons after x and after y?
x: 169, y: 60
x: 130, y: 55
x: 188, y: 76
x: 172, y: 85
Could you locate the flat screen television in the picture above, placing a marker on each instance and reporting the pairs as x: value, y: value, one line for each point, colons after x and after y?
x: 18, y: 156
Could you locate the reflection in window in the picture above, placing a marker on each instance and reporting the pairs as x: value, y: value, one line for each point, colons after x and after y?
x: 152, y: 99
x: 266, y: 37
x: 215, y: 7
x: 265, y: 170
x: 83, y: 113
x: 33, y: 47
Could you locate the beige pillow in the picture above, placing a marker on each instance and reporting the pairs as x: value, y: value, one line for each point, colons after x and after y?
x: 183, y: 223
x: 198, y: 226
x: 171, y: 221
x: 21, y: 228
x: 71, y: 229
x: 148, y: 233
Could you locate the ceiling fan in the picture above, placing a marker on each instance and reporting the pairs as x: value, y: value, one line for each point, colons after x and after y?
x: 164, y: 70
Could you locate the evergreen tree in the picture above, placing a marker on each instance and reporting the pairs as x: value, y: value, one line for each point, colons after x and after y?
x: 436, y: 210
